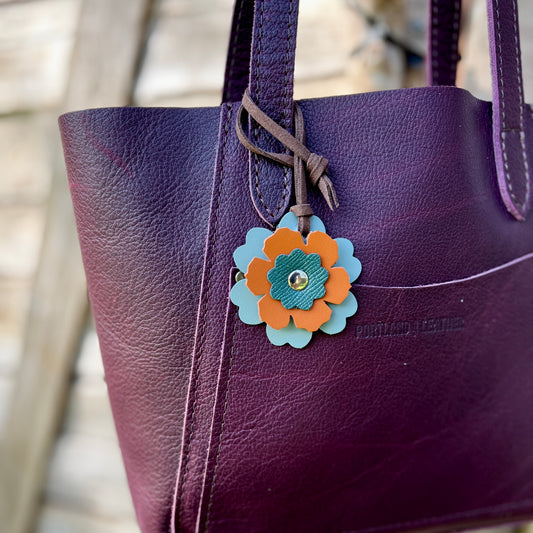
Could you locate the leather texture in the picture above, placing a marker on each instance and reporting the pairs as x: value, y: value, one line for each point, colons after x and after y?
x: 509, y: 136
x: 141, y: 193
x: 237, y: 71
x: 443, y: 41
x: 271, y: 87
x: 512, y: 162
x: 416, y: 417
x: 420, y: 211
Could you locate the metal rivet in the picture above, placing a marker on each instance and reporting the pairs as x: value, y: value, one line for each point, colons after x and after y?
x: 298, y: 280
x: 239, y: 276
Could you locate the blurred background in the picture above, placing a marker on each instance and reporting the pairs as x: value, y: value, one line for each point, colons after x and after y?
x: 60, y: 465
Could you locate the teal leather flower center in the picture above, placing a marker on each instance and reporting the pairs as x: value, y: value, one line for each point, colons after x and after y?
x: 297, y: 279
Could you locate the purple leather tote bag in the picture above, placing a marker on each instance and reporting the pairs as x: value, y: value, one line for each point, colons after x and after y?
x: 418, y: 416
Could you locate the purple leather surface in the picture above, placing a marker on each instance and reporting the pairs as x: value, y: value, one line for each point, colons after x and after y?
x: 141, y: 191
x: 419, y: 200
x: 509, y: 137
x: 416, y: 417
x: 513, y: 167
x: 237, y: 73
x: 421, y: 205
x: 271, y: 87
x: 373, y: 431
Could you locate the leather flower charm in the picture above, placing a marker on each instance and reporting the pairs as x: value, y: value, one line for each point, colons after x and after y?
x: 295, y: 285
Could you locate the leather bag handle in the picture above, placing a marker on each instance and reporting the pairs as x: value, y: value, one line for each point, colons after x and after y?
x: 271, y: 26
x: 444, y: 19
x: 270, y: 78
x: 441, y: 60
x: 508, y: 108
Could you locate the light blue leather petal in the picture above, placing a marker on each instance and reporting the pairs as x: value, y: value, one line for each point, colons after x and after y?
x: 255, y: 239
x: 346, y: 260
x: 340, y: 312
x: 247, y: 302
x: 290, y: 220
x: 297, y: 338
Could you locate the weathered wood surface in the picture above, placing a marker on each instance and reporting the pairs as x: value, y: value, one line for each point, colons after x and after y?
x: 34, y: 46
x: 61, y: 520
x: 102, y: 73
x: 24, y: 189
x: 184, y: 60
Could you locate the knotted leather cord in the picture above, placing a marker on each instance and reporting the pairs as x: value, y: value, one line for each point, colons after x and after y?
x: 315, y: 165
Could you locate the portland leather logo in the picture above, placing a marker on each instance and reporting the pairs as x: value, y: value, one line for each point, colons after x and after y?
x: 410, y: 328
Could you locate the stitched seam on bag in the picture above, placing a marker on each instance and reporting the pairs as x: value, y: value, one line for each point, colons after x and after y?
x: 521, y: 206
x: 521, y: 102
x: 233, y: 50
x: 477, y: 275
x: 429, y: 520
x: 500, y: 61
x: 272, y: 214
x: 434, y: 519
x: 204, y: 323
x: 287, y: 99
x: 226, y: 395
x: 454, y: 54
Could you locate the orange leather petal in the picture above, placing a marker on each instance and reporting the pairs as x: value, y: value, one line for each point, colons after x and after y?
x: 283, y: 241
x: 273, y: 313
x: 337, y: 285
x: 323, y: 245
x: 311, y: 320
x: 256, y: 276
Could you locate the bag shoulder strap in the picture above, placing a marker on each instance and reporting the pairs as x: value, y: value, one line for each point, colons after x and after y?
x: 239, y: 49
x: 508, y: 109
x: 261, y: 57
x: 443, y: 41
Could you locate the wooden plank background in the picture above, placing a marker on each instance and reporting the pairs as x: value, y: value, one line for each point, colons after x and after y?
x: 60, y: 466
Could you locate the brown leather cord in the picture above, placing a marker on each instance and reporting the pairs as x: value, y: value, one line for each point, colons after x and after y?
x: 303, y: 161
